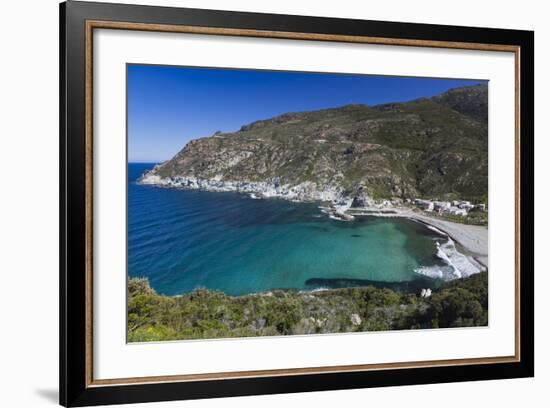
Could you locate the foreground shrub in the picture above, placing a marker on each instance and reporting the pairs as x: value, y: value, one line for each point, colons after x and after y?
x: 212, y: 314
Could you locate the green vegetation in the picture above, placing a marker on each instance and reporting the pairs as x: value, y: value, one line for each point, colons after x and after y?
x: 206, y: 314
x: 473, y: 218
x: 422, y: 148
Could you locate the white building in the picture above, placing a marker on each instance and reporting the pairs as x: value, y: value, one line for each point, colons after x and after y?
x: 465, y: 205
x: 442, y: 205
x: 426, y: 205
x: 458, y: 211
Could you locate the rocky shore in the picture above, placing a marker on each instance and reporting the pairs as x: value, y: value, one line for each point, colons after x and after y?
x: 474, y: 239
x: 469, y: 258
x: 306, y: 191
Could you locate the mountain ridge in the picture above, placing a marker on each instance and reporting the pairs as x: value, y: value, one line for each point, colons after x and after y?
x: 430, y: 147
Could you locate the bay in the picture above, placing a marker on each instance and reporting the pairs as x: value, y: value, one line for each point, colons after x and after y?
x: 187, y: 239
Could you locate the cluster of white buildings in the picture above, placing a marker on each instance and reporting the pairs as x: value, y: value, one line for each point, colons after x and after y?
x: 456, y: 207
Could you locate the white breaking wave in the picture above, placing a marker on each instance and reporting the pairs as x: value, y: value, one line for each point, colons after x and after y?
x: 321, y: 289
x: 435, y: 229
x: 339, y: 218
x: 457, y: 265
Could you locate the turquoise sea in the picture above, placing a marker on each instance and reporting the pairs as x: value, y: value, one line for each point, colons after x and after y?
x: 185, y: 239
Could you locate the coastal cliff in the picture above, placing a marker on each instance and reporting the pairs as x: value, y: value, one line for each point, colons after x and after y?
x: 434, y: 147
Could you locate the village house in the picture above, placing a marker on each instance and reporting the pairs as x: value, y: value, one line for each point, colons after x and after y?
x: 425, y: 205
x: 457, y: 207
x: 465, y: 205
x: 457, y: 211
x: 441, y: 206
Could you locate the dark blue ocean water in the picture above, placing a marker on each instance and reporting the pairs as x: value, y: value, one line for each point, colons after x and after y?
x: 184, y: 239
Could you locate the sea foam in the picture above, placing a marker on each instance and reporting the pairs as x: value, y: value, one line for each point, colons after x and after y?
x: 436, y: 229
x: 457, y: 265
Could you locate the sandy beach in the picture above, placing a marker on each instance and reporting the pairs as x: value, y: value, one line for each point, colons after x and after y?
x: 473, y: 238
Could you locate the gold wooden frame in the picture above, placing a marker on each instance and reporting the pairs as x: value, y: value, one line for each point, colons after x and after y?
x: 98, y: 24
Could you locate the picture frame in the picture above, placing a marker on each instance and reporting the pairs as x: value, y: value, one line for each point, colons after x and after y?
x: 78, y: 23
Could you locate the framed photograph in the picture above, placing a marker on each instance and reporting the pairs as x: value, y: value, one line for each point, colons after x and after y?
x: 257, y: 204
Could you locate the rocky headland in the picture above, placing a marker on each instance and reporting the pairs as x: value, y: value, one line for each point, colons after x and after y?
x: 434, y: 148
x: 356, y: 160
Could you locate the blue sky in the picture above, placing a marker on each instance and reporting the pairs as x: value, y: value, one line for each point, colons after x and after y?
x: 168, y: 106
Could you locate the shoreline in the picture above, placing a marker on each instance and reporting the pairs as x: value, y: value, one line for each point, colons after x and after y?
x: 472, y: 238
